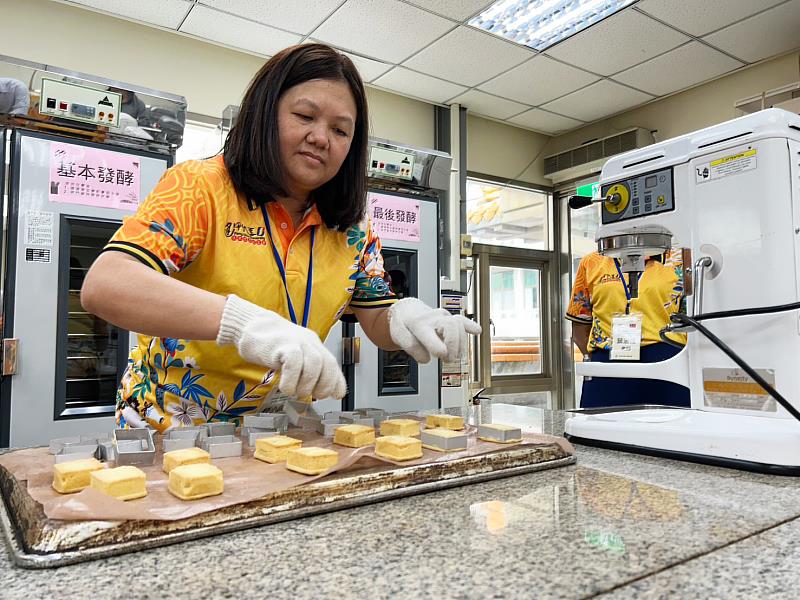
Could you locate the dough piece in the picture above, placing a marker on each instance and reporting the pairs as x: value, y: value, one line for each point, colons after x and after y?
x: 273, y: 449
x: 199, y: 480
x: 74, y: 476
x: 400, y: 427
x: 354, y: 436
x: 124, y: 483
x: 445, y: 422
x: 444, y: 440
x: 398, y: 447
x: 187, y: 456
x: 311, y: 461
x: 500, y: 434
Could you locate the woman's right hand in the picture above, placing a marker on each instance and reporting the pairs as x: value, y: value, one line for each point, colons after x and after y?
x: 265, y: 338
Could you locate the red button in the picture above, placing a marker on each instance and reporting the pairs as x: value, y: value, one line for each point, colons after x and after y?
x: 62, y: 105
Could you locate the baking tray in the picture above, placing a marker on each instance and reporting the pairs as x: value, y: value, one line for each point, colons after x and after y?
x: 36, y: 542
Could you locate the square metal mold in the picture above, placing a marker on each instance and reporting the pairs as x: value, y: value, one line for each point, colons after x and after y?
x: 134, y: 447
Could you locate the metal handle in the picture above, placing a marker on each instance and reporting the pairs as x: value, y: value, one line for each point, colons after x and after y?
x: 351, y: 350
x: 578, y: 202
x: 700, y: 266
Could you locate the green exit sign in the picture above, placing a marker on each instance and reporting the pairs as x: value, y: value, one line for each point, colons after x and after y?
x: 590, y: 189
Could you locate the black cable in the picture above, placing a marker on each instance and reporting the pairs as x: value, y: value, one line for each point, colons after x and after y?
x: 687, y: 320
x: 744, y: 312
x: 663, y: 335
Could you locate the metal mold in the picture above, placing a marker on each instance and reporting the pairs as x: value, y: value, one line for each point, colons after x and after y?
x: 276, y: 421
x: 179, y: 439
x: 222, y: 446
x: 249, y: 435
x: 134, y: 447
x: 57, y: 444
x: 76, y: 452
x: 218, y: 429
x: 499, y: 435
x: 456, y: 442
x: 294, y: 410
x: 105, y: 451
x: 328, y: 427
x: 358, y: 420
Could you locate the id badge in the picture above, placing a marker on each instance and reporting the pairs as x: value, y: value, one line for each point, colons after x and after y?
x: 626, y: 336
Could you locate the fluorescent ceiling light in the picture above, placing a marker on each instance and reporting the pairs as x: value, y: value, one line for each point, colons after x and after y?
x: 541, y: 23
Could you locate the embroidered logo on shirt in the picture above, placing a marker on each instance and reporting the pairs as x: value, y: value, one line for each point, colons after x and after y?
x: 608, y: 278
x: 239, y: 232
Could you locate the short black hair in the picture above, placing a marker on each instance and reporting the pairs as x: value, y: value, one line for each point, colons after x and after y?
x: 252, y: 148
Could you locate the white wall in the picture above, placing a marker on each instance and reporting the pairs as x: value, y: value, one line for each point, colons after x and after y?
x: 501, y: 150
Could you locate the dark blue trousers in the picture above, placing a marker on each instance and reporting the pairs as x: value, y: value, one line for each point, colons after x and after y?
x: 599, y: 392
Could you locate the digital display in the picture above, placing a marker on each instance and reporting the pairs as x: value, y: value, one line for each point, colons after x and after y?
x: 650, y: 182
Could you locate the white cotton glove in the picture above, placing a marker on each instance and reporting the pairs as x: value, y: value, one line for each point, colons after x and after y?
x: 423, y: 331
x: 265, y: 338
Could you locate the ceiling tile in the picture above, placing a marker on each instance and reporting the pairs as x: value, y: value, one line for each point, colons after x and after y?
x: 544, y: 121
x: 538, y: 80
x: 369, y: 69
x: 468, y: 56
x: 598, y: 100
x: 385, y: 29
x: 618, y: 42
x: 698, y: 17
x: 455, y: 9
x: 767, y: 34
x: 678, y: 69
x: 237, y: 32
x: 300, y: 16
x: 416, y: 84
x: 488, y: 105
x: 165, y: 13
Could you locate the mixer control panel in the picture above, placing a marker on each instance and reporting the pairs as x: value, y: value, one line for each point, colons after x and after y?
x: 639, y: 196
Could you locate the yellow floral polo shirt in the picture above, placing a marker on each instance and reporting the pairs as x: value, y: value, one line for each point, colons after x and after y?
x: 598, y: 294
x: 194, y: 227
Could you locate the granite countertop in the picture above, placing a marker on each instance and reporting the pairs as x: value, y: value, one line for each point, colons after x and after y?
x: 613, y: 525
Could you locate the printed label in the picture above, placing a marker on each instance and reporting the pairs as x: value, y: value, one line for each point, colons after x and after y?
x: 37, y: 255
x: 727, y: 165
x: 39, y: 228
x: 394, y: 218
x: 735, y: 389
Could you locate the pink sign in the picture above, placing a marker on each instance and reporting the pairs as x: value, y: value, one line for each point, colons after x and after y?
x: 103, y: 178
x: 394, y: 218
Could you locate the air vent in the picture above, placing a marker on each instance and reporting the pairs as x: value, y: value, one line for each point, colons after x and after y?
x: 598, y: 150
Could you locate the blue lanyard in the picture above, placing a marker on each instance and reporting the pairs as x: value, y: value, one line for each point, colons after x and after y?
x: 279, y: 262
x: 625, y: 287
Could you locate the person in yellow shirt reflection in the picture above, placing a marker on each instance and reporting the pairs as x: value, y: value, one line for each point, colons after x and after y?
x: 600, y: 293
x: 235, y: 268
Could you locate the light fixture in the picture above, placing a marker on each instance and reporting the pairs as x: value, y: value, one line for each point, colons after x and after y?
x: 539, y: 24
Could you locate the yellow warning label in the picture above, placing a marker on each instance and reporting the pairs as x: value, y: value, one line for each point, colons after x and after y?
x: 732, y: 157
x: 734, y: 387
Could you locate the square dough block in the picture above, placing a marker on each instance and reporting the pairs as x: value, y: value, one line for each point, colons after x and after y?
x: 124, y: 483
x: 398, y: 447
x: 191, y: 482
x: 445, y: 422
x: 354, y: 436
x: 311, y: 461
x: 400, y: 427
x: 75, y: 475
x: 443, y: 440
x: 274, y: 449
x: 187, y: 456
x: 501, y: 434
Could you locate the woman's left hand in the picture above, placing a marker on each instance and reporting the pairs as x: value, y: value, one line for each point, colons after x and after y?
x: 423, y: 331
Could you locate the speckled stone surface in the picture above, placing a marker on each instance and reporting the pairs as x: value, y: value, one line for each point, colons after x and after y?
x: 609, y: 524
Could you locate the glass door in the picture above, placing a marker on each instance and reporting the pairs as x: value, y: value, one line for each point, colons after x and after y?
x: 513, y: 358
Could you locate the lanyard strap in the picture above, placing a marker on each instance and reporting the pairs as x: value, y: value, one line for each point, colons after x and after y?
x: 278, y: 261
x: 625, y: 287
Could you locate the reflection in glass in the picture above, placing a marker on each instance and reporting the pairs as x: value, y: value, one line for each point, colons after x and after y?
x: 398, y: 371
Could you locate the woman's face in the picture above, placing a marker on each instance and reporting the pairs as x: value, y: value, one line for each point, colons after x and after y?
x: 316, y: 121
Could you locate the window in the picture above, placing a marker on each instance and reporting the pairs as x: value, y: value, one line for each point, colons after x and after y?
x: 505, y: 215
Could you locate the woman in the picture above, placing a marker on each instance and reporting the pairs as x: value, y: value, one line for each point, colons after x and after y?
x: 600, y: 293
x: 235, y: 268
